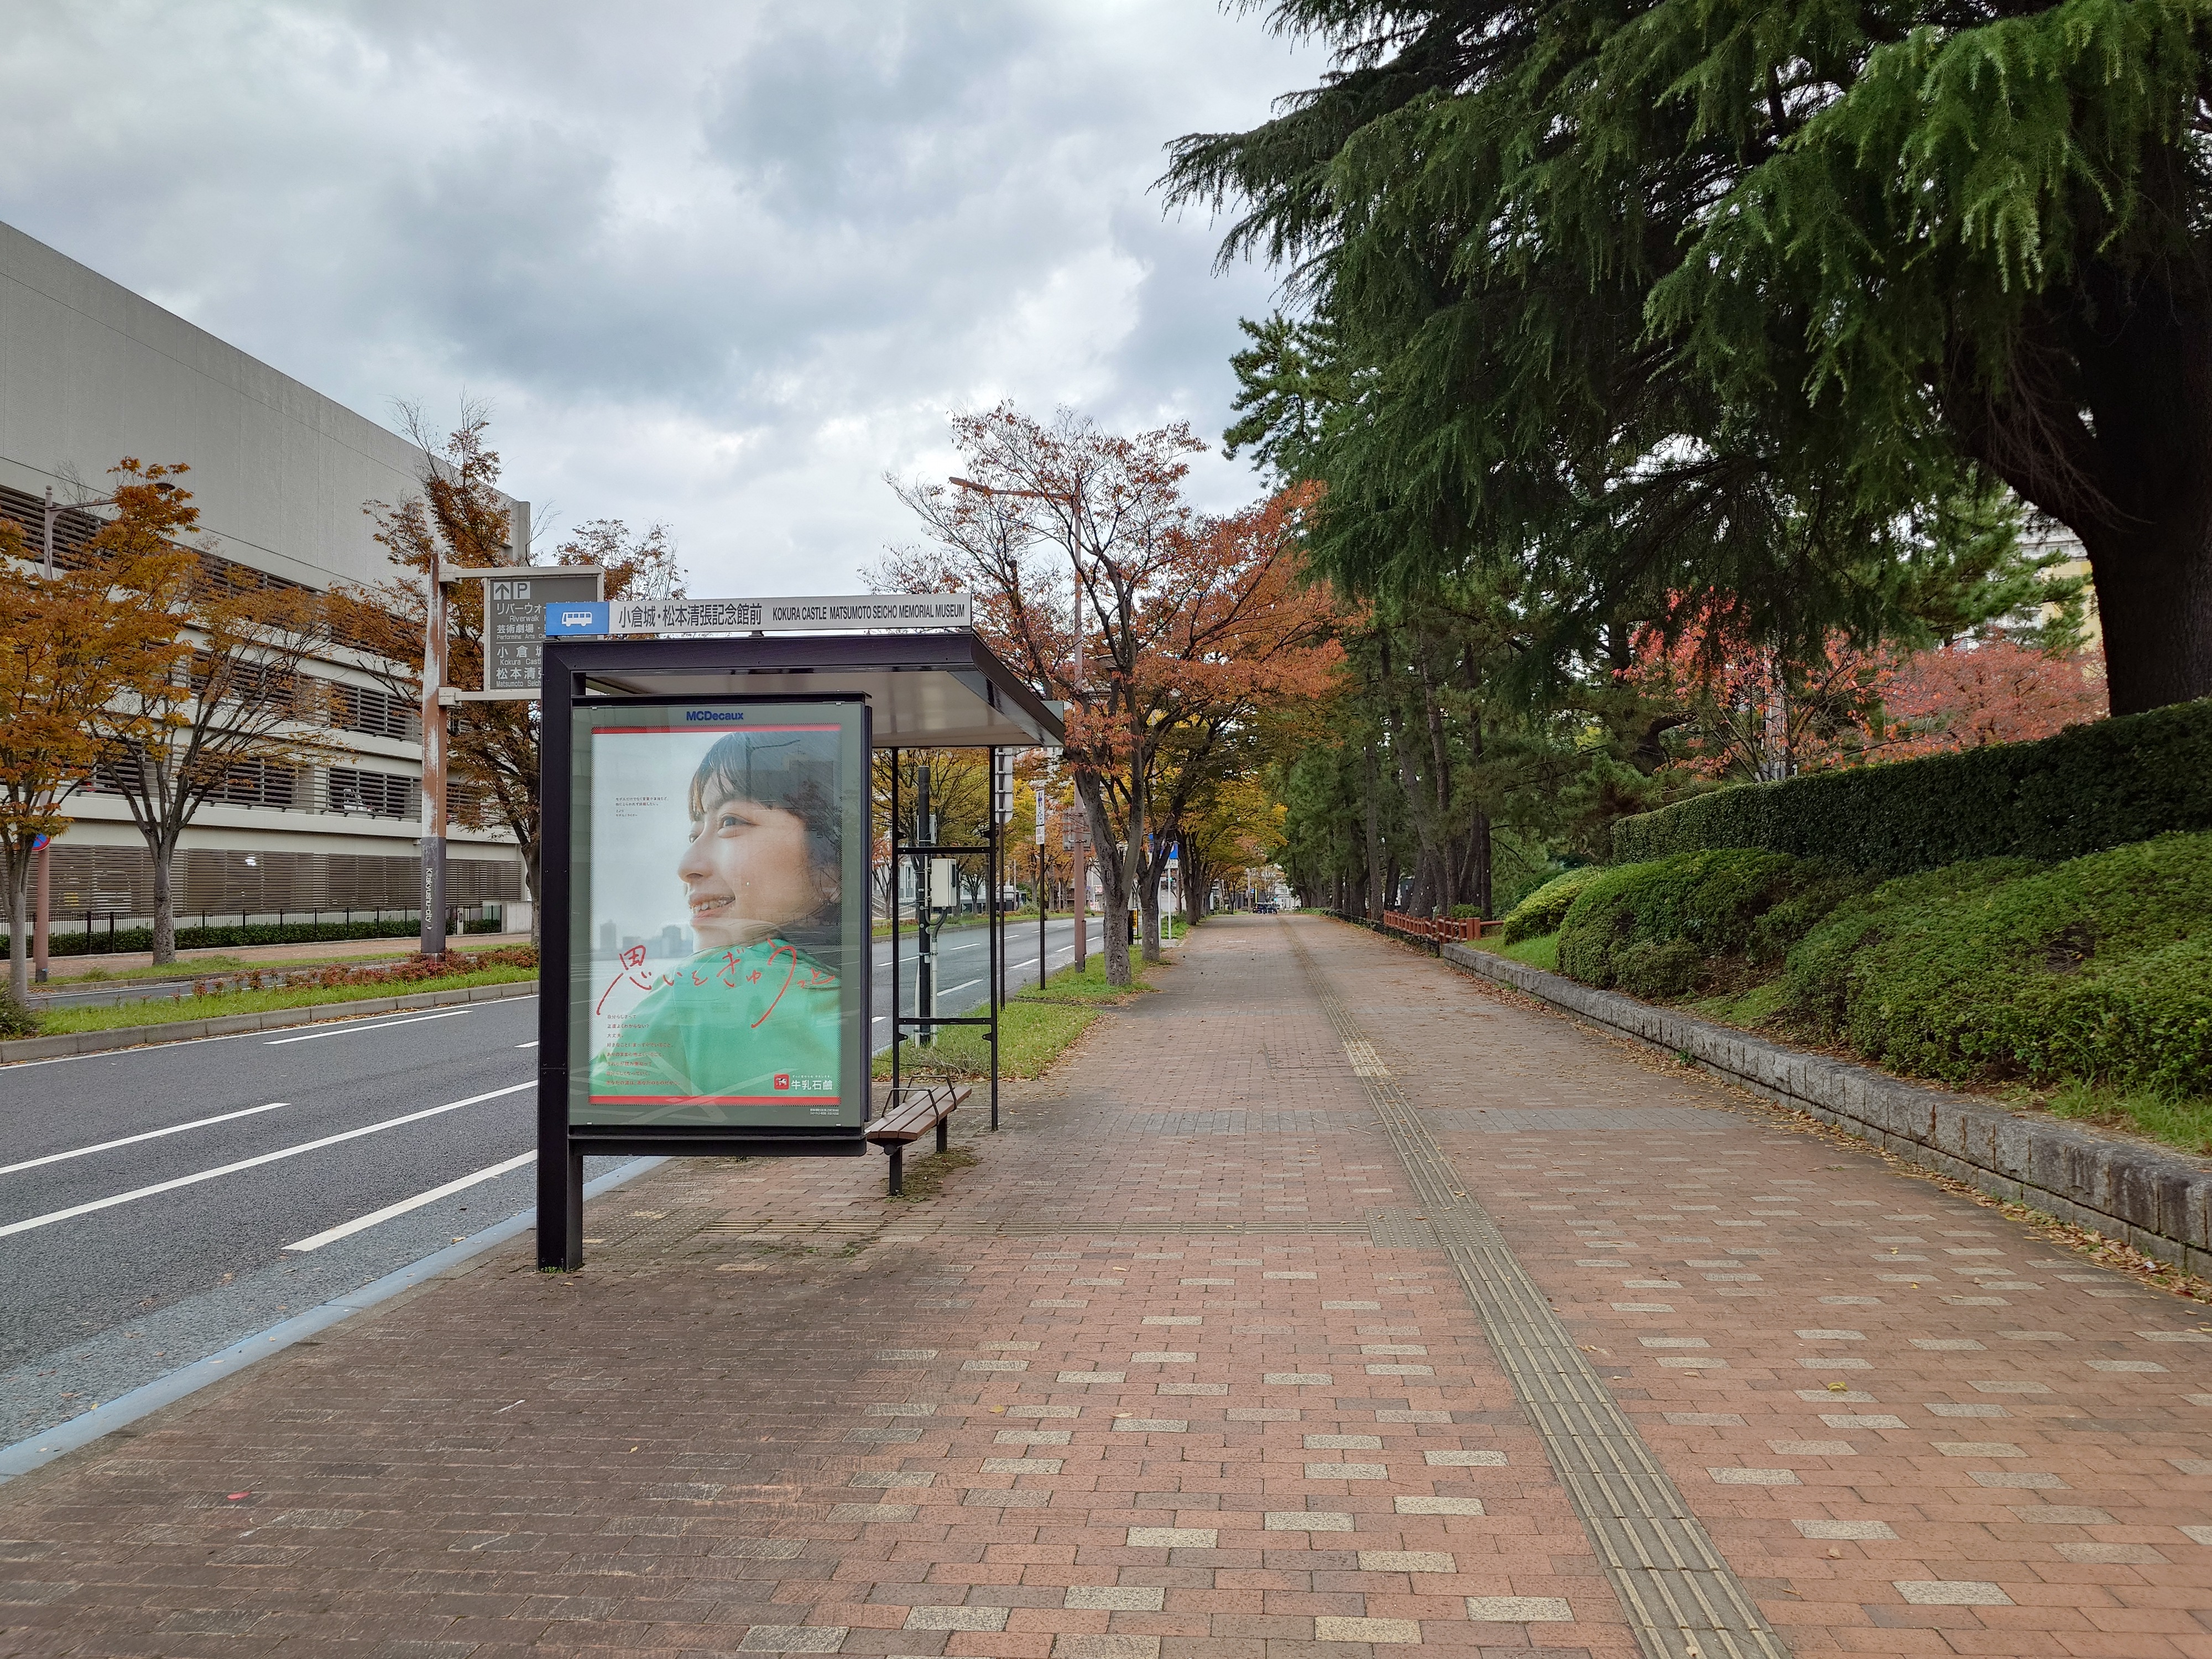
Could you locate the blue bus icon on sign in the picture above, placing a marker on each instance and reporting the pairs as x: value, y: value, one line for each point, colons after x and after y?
x: 590, y: 617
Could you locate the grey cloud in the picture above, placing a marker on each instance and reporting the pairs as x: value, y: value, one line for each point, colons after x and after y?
x: 722, y: 266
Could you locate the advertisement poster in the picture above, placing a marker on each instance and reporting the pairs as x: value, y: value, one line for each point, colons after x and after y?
x: 721, y: 903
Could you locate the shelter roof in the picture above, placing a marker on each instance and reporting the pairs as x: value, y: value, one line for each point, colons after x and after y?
x: 927, y: 690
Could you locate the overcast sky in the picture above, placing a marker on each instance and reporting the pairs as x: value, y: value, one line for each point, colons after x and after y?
x: 718, y: 264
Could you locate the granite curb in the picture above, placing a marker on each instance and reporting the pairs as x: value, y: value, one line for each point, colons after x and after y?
x: 2157, y: 1202
x: 69, y: 1043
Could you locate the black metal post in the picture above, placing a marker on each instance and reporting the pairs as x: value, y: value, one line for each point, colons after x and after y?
x: 992, y: 865
x: 560, y: 1170
x: 925, y: 936
x: 895, y: 867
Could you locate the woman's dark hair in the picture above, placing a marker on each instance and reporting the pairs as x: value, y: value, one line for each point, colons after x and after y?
x: 796, y: 771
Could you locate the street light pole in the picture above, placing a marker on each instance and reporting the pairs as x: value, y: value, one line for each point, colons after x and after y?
x: 1079, y: 854
x: 54, y: 511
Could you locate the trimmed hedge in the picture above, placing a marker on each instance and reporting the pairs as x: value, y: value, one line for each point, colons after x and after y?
x: 2090, y: 788
x: 215, y: 938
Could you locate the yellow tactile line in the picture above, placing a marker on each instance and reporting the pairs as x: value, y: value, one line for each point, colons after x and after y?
x: 1682, y: 1598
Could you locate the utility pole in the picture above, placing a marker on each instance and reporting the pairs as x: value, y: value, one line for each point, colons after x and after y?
x: 433, y: 943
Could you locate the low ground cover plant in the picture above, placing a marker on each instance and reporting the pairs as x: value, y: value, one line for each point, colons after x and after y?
x: 2092, y: 973
x: 1542, y: 911
x: 278, y: 988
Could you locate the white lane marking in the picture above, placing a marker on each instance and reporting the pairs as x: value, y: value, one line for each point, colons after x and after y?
x: 380, y: 1025
x: 150, y: 1134
x: 8, y: 1068
x: 964, y: 985
x: 532, y: 1043
x: 360, y: 1223
x: 52, y: 1215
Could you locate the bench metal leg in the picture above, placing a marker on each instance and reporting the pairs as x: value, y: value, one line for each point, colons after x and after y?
x: 943, y: 1133
x: 898, y: 1169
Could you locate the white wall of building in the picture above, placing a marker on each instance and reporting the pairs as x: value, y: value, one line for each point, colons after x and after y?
x: 90, y: 372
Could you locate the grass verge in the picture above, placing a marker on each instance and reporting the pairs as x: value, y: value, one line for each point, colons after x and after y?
x: 2187, y: 1124
x: 1031, y: 1036
x: 157, y: 1012
x: 1089, y: 986
x: 1542, y: 951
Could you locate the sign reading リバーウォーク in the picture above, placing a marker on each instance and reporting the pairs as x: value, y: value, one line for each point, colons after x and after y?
x: 515, y: 610
x: 826, y: 614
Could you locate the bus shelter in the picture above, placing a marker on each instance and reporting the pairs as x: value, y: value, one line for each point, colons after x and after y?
x: 709, y: 835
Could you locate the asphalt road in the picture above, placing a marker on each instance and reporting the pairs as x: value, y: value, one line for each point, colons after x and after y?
x: 148, y: 1197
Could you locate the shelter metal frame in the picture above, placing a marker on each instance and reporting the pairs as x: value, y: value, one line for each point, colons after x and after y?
x: 927, y: 690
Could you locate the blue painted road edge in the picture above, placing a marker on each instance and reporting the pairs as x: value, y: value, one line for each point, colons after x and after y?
x: 82, y: 1430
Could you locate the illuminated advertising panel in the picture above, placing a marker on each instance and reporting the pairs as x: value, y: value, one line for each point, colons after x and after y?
x: 719, y: 898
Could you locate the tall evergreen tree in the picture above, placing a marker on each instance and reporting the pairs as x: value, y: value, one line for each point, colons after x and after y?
x: 1663, y: 297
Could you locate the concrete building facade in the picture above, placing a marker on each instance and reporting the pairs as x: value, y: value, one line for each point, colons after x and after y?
x: 90, y: 373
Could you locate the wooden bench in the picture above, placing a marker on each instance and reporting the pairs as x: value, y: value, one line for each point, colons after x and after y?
x: 910, y: 1113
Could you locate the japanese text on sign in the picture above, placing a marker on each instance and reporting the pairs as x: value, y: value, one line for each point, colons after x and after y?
x: 865, y: 610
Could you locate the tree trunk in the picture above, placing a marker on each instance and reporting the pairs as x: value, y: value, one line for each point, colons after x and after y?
x: 1113, y: 882
x: 19, y: 930
x: 163, y: 848
x: 532, y: 863
x: 2130, y: 478
x: 2154, y: 587
x: 1481, y: 895
x: 1374, y: 839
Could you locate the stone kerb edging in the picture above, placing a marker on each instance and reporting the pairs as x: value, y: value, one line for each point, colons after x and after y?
x: 2158, y: 1202
x: 180, y: 1030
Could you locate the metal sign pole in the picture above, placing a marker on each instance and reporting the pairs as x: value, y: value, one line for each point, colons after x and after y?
x: 433, y: 939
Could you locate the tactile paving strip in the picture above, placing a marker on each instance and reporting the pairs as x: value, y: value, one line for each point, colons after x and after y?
x: 1681, y: 1597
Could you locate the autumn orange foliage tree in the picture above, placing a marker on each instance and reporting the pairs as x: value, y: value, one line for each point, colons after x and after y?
x: 1187, y: 623
x: 97, y: 631
x: 1745, y: 711
x: 1993, y: 691
x: 460, y: 521
x: 235, y: 710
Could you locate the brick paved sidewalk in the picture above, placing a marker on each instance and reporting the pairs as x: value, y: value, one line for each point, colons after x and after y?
x: 1181, y: 1369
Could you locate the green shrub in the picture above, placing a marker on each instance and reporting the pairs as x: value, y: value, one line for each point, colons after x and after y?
x: 221, y: 936
x: 2091, y: 787
x: 2099, y: 968
x: 1730, y: 902
x: 1655, y: 971
x: 1543, y: 910
x: 16, y: 1020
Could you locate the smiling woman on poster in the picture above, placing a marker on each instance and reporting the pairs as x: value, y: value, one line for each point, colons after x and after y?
x: 753, y: 1017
